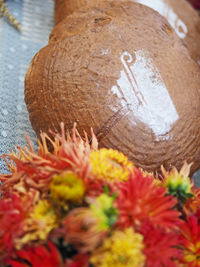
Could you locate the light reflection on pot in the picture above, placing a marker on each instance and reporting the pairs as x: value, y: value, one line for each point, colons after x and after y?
x: 167, y: 11
x: 141, y: 86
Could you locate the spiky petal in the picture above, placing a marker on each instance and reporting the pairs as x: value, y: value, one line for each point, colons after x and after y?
x: 190, y: 235
x: 32, y: 170
x: 13, y: 215
x: 177, y: 183
x: 161, y: 246
x: 39, y: 256
x: 140, y: 199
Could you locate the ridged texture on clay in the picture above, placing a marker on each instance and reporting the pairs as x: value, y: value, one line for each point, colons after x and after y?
x: 77, y: 78
x: 182, y: 17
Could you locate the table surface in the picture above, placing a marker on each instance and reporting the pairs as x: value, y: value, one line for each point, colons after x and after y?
x: 16, y: 52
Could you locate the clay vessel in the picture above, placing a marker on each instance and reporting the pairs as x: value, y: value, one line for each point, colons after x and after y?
x: 129, y: 78
x: 182, y: 17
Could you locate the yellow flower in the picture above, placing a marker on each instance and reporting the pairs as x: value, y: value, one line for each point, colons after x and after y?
x: 121, y: 249
x: 103, y: 209
x: 39, y: 224
x: 110, y: 165
x: 67, y: 188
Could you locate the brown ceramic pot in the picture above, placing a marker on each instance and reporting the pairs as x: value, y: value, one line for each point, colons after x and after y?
x: 64, y: 8
x: 121, y: 69
x: 182, y: 17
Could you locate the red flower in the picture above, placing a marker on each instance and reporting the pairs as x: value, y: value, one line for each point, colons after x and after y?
x: 41, y: 256
x: 140, y: 199
x: 190, y: 235
x: 12, y: 220
x: 161, y: 247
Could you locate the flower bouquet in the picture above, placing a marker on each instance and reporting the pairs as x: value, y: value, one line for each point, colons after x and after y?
x: 80, y: 206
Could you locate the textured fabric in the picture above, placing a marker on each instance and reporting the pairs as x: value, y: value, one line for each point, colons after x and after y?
x: 16, y: 52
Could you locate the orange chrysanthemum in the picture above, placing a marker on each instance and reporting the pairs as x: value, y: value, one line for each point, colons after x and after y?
x: 140, y: 199
x: 31, y: 170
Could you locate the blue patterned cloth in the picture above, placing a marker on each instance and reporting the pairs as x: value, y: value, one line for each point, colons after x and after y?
x: 16, y: 52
